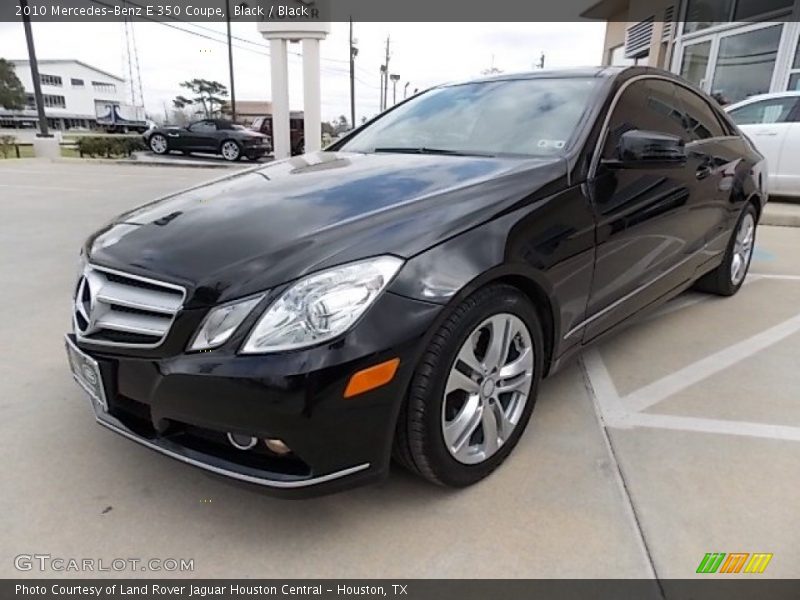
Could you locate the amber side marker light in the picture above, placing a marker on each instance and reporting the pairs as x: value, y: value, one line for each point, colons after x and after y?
x: 371, y: 378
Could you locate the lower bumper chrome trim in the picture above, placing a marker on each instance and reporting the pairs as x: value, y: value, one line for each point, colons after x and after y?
x: 273, y: 483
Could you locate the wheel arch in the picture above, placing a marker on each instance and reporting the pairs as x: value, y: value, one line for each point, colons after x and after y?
x: 757, y: 202
x: 229, y: 139
x: 531, y: 283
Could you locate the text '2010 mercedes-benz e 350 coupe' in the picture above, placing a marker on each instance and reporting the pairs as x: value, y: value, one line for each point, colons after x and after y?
x: 403, y: 293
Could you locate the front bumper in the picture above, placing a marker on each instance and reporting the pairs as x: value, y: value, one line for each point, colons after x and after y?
x: 184, y: 405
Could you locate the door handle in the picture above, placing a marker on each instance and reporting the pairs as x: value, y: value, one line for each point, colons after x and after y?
x: 767, y: 133
x: 703, y: 172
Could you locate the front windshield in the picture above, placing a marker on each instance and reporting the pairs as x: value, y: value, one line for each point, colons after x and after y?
x: 519, y: 117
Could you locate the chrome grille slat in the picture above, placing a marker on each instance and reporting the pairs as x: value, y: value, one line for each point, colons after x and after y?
x: 133, y: 323
x: 109, y: 303
x: 116, y: 293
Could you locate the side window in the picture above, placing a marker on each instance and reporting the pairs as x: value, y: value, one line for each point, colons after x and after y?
x: 648, y: 105
x: 202, y: 127
x: 774, y: 110
x: 700, y: 121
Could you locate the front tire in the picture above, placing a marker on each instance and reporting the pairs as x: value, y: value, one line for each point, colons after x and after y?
x: 729, y: 276
x: 473, y: 391
x: 230, y: 150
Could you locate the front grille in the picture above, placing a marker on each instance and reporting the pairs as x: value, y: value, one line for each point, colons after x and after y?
x: 119, y: 309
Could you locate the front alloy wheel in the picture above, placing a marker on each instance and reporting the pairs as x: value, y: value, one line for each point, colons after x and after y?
x: 158, y: 144
x: 230, y: 150
x: 487, y: 388
x: 473, y: 390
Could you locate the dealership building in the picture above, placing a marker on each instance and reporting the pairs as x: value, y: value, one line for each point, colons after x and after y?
x: 70, y: 91
x: 730, y: 48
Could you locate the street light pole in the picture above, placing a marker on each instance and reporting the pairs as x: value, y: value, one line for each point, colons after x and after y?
x: 230, y: 59
x: 353, y: 54
x: 37, y: 83
x: 405, y: 89
x: 395, y: 78
x: 382, y: 104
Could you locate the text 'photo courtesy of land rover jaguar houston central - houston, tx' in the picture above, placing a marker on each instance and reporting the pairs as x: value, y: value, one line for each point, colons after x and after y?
x: 403, y: 293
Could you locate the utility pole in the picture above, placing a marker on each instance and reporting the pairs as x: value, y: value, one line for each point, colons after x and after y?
x: 386, y: 76
x: 353, y: 54
x: 383, y: 76
x: 405, y: 89
x: 230, y: 59
x: 37, y: 83
x: 395, y: 78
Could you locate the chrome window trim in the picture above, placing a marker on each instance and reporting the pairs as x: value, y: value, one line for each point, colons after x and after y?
x: 155, y: 282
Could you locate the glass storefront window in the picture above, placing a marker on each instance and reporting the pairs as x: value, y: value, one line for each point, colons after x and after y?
x: 745, y: 63
x: 702, y: 14
x: 695, y: 61
x: 794, y: 77
x: 746, y: 9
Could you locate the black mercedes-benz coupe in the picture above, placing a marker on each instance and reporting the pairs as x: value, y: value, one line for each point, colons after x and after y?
x: 404, y: 292
x: 213, y: 136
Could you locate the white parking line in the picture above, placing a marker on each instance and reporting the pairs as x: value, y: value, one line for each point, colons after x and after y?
x: 48, y: 187
x: 773, y: 276
x: 704, y: 368
x: 626, y: 412
x: 721, y: 426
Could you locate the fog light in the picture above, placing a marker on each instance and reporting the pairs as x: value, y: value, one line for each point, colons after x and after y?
x: 242, y: 442
x: 277, y: 446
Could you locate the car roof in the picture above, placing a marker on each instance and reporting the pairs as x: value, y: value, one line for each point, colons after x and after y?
x: 759, y: 97
x: 599, y: 72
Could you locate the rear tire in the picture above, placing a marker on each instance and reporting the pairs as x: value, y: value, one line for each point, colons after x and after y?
x: 158, y: 144
x: 230, y: 150
x: 729, y: 276
x: 442, y: 428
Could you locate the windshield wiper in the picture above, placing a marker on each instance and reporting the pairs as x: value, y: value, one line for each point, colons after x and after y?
x: 426, y: 150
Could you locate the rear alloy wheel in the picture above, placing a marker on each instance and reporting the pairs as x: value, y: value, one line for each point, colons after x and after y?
x: 158, y: 144
x: 230, y: 150
x: 473, y: 392
x: 729, y: 276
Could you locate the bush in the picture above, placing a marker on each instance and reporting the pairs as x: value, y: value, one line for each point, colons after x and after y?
x: 108, y: 146
x: 6, y: 144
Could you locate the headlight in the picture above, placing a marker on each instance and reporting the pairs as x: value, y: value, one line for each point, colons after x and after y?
x: 221, y: 322
x: 321, y: 306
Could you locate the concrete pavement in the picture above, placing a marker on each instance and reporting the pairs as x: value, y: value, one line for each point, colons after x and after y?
x: 608, y: 481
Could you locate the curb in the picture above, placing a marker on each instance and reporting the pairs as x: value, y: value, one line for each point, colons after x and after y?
x: 781, y: 214
x: 143, y: 163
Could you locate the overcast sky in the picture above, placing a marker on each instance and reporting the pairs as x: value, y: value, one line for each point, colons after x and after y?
x: 422, y: 53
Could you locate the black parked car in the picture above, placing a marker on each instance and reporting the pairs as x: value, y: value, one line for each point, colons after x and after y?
x: 405, y: 292
x: 216, y: 136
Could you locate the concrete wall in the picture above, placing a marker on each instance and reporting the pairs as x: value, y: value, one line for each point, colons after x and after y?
x: 638, y: 10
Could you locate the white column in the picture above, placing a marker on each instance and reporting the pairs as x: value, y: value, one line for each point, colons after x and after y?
x: 312, y: 97
x: 280, y: 98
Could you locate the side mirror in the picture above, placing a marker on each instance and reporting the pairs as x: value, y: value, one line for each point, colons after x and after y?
x: 637, y: 149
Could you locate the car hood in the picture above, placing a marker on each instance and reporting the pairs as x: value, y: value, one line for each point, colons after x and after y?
x: 254, y: 230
